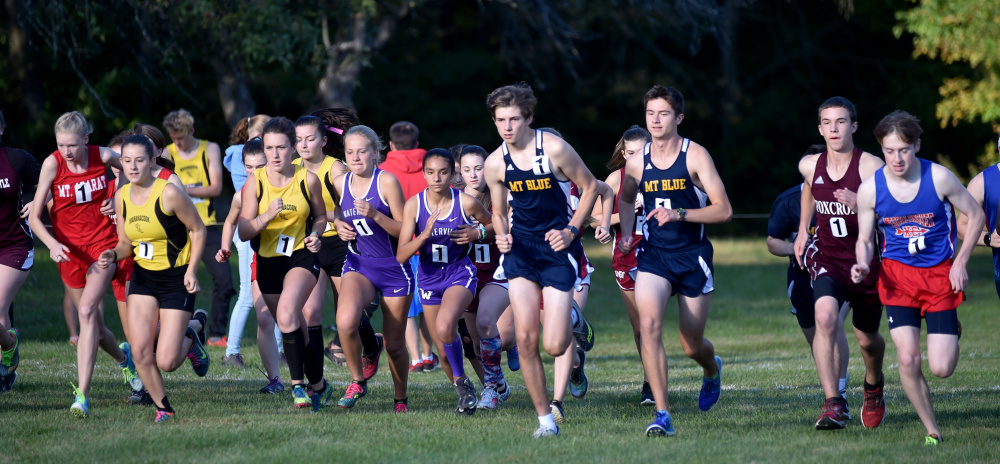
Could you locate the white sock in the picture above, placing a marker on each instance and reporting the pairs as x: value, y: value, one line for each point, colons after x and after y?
x: 576, y: 319
x: 547, y: 421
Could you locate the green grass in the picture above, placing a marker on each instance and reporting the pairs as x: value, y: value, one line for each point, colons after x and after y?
x: 770, y: 395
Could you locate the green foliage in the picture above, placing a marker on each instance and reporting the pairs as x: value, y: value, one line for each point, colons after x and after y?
x: 960, y: 31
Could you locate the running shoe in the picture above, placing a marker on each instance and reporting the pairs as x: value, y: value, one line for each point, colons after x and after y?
x: 201, y: 316
x: 400, y: 407
x: 582, y: 330
x: 847, y: 410
x: 558, y: 413
x: 140, y: 397
x: 711, y: 389
x: 300, y: 397
x: 431, y: 364
x: 197, y: 354
x: 369, y: 364
x: 81, y: 407
x: 73, y: 340
x: 513, y: 359
x: 646, y: 395
x: 417, y: 367
x: 162, y: 416
x: 273, y: 387
x: 7, y: 383
x: 321, y: 398
x: 543, y: 432
x: 662, y: 425
x: 491, y: 399
x: 932, y: 440
x: 10, y: 358
x: 235, y: 360
x: 218, y: 342
x: 833, y: 415
x: 354, y: 392
x: 873, y: 409
x: 466, y: 392
x: 578, y: 383
x: 128, y: 368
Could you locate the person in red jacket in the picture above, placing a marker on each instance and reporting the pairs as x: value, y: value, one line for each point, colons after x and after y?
x: 405, y: 161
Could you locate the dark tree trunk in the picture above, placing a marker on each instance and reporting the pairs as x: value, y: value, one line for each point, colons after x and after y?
x: 20, y: 52
x: 234, y: 95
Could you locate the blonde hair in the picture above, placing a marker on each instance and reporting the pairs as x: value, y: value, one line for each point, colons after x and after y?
x: 73, y: 123
x: 373, y: 139
x: 178, y: 121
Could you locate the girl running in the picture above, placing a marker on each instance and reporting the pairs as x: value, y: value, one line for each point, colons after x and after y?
x: 75, y: 176
x: 283, y: 214
x: 624, y: 264
x: 163, y: 230
x: 318, y: 141
x: 447, y: 275
x: 17, y: 249
x: 370, y: 200
x: 492, y: 326
x: 252, y: 154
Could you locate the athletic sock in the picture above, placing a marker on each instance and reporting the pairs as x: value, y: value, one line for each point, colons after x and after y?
x: 166, y: 405
x: 312, y: 355
x: 547, y: 421
x: 453, y: 351
x: 369, y: 343
x: 490, y: 348
x: 575, y: 317
x: 843, y: 385
x: 294, y: 344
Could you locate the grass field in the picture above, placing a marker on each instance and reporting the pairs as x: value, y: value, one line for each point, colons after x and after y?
x: 770, y: 400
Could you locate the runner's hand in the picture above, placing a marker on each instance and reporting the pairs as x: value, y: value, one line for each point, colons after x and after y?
x: 108, y: 207
x: 223, y: 255
x: 559, y: 240
x: 106, y: 259
x: 344, y: 230
x: 859, y: 272
x: 504, y: 242
x: 602, y: 235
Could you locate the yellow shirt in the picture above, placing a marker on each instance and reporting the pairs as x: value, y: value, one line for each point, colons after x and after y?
x: 159, y: 240
x: 287, y: 231
x: 326, y: 176
x: 194, y: 173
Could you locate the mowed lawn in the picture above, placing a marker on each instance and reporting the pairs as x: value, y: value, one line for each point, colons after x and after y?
x: 770, y: 398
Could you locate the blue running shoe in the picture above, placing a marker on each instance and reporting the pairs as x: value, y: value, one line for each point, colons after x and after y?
x: 661, y: 426
x: 513, y: 359
x: 578, y: 383
x: 711, y: 389
x: 162, y: 416
x: 128, y: 368
x: 197, y: 354
x: 81, y: 407
x: 321, y: 398
x: 583, y: 332
x: 10, y: 358
x: 7, y: 383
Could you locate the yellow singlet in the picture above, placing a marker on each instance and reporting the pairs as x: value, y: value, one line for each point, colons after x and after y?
x: 326, y: 176
x: 194, y: 173
x: 159, y: 240
x: 286, y: 232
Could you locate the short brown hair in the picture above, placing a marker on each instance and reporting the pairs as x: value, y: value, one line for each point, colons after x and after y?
x: 838, y: 102
x: 519, y: 95
x: 905, y: 125
x: 670, y: 94
x: 179, y: 121
x: 403, y: 135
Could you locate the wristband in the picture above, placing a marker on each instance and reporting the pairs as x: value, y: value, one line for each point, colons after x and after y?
x: 682, y: 214
x: 116, y: 255
x: 986, y: 240
x: 314, y: 234
x: 482, y: 232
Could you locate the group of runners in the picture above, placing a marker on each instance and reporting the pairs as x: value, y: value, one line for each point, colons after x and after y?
x: 490, y: 231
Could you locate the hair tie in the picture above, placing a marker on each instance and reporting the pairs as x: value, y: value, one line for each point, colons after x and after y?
x: 334, y: 130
